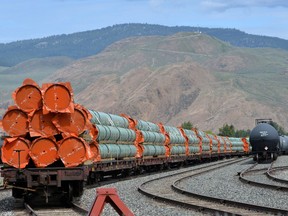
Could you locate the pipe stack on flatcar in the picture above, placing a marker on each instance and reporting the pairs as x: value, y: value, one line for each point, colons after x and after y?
x: 44, y: 125
x: 58, y: 144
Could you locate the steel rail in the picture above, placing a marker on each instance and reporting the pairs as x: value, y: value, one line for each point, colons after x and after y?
x: 74, y: 207
x: 274, y: 178
x: 196, y: 203
x: 250, y: 206
x: 79, y: 209
x: 260, y: 184
x: 29, y: 209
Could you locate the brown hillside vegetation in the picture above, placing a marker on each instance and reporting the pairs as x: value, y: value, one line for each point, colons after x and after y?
x: 183, y: 77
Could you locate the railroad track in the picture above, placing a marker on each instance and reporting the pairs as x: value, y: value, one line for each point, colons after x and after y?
x: 268, y: 180
x: 272, y: 174
x: 74, y: 210
x: 167, y: 192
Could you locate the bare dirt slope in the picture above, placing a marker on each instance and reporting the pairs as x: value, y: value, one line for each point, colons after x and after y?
x: 184, y: 77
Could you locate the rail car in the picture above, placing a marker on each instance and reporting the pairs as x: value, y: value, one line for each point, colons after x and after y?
x: 283, y: 145
x: 121, y: 152
x: 55, y: 150
x: 265, y: 141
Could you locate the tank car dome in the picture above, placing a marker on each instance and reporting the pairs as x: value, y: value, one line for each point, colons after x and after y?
x: 264, y: 136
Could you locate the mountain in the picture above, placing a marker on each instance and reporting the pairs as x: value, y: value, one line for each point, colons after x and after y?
x: 185, y: 76
x: 84, y: 44
x: 39, y: 68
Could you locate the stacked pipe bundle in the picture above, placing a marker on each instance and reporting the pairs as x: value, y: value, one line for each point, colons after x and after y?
x: 222, y: 144
x: 194, y: 142
x: 115, y: 138
x: 45, y: 125
x: 123, y: 137
x: 238, y: 144
x: 228, y: 144
x: 205, y: 141
x: 213, y: 141
x: 156, y: 142
x: 180, y: 142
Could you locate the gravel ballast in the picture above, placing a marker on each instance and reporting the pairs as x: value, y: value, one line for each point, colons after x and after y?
x: 222, y: 182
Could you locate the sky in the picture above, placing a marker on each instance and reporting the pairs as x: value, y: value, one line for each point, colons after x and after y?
x: 30, y: 19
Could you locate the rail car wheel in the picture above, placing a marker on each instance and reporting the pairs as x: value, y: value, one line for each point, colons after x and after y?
x: 67, y: 194
x: 256, y: 158
x: 17, y: 193
x: 77, y: 188
x: 92, y: 178
x: 70, y: 193
x: 140, y: 170
x: 126, y: 172
x: 274, y: 156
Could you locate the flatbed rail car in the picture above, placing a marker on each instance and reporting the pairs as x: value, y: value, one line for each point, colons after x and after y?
x: 55, y: 146
x: 69, y: 182
x: 118, y: 159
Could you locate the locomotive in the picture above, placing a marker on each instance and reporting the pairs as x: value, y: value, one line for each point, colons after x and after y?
x: 265, y: 140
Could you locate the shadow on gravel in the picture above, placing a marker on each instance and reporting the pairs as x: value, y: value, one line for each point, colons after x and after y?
x: 248, y: 162
x: 252, y: 162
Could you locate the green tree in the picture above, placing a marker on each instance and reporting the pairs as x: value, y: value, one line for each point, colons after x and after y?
x: 279, y: 128
x: 242, y: 133
x: 230, y: 131
x: 187, y: 125
x: 227, y: 130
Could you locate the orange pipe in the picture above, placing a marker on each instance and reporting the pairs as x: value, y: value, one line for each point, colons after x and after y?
x: 15, y: 122
x: 44, y: 151
x: 73, y: 151
x: 42, y: 125
x: 28, y: 97
x: 57, y: 97
x: 71, y: 123
x: 14, y: 149
x: 94, y: 146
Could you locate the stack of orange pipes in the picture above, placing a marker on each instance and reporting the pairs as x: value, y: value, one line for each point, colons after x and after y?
x: 45, y: 124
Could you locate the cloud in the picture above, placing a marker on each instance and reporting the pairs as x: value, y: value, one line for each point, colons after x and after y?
x: 222, y: 5
x: 156, y: 3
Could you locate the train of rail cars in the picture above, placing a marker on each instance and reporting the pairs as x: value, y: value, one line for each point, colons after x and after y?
x: 265, y: 141
x: 55, y: 146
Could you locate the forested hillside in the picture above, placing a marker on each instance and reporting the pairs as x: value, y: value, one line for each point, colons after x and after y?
x: 83, y: 44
